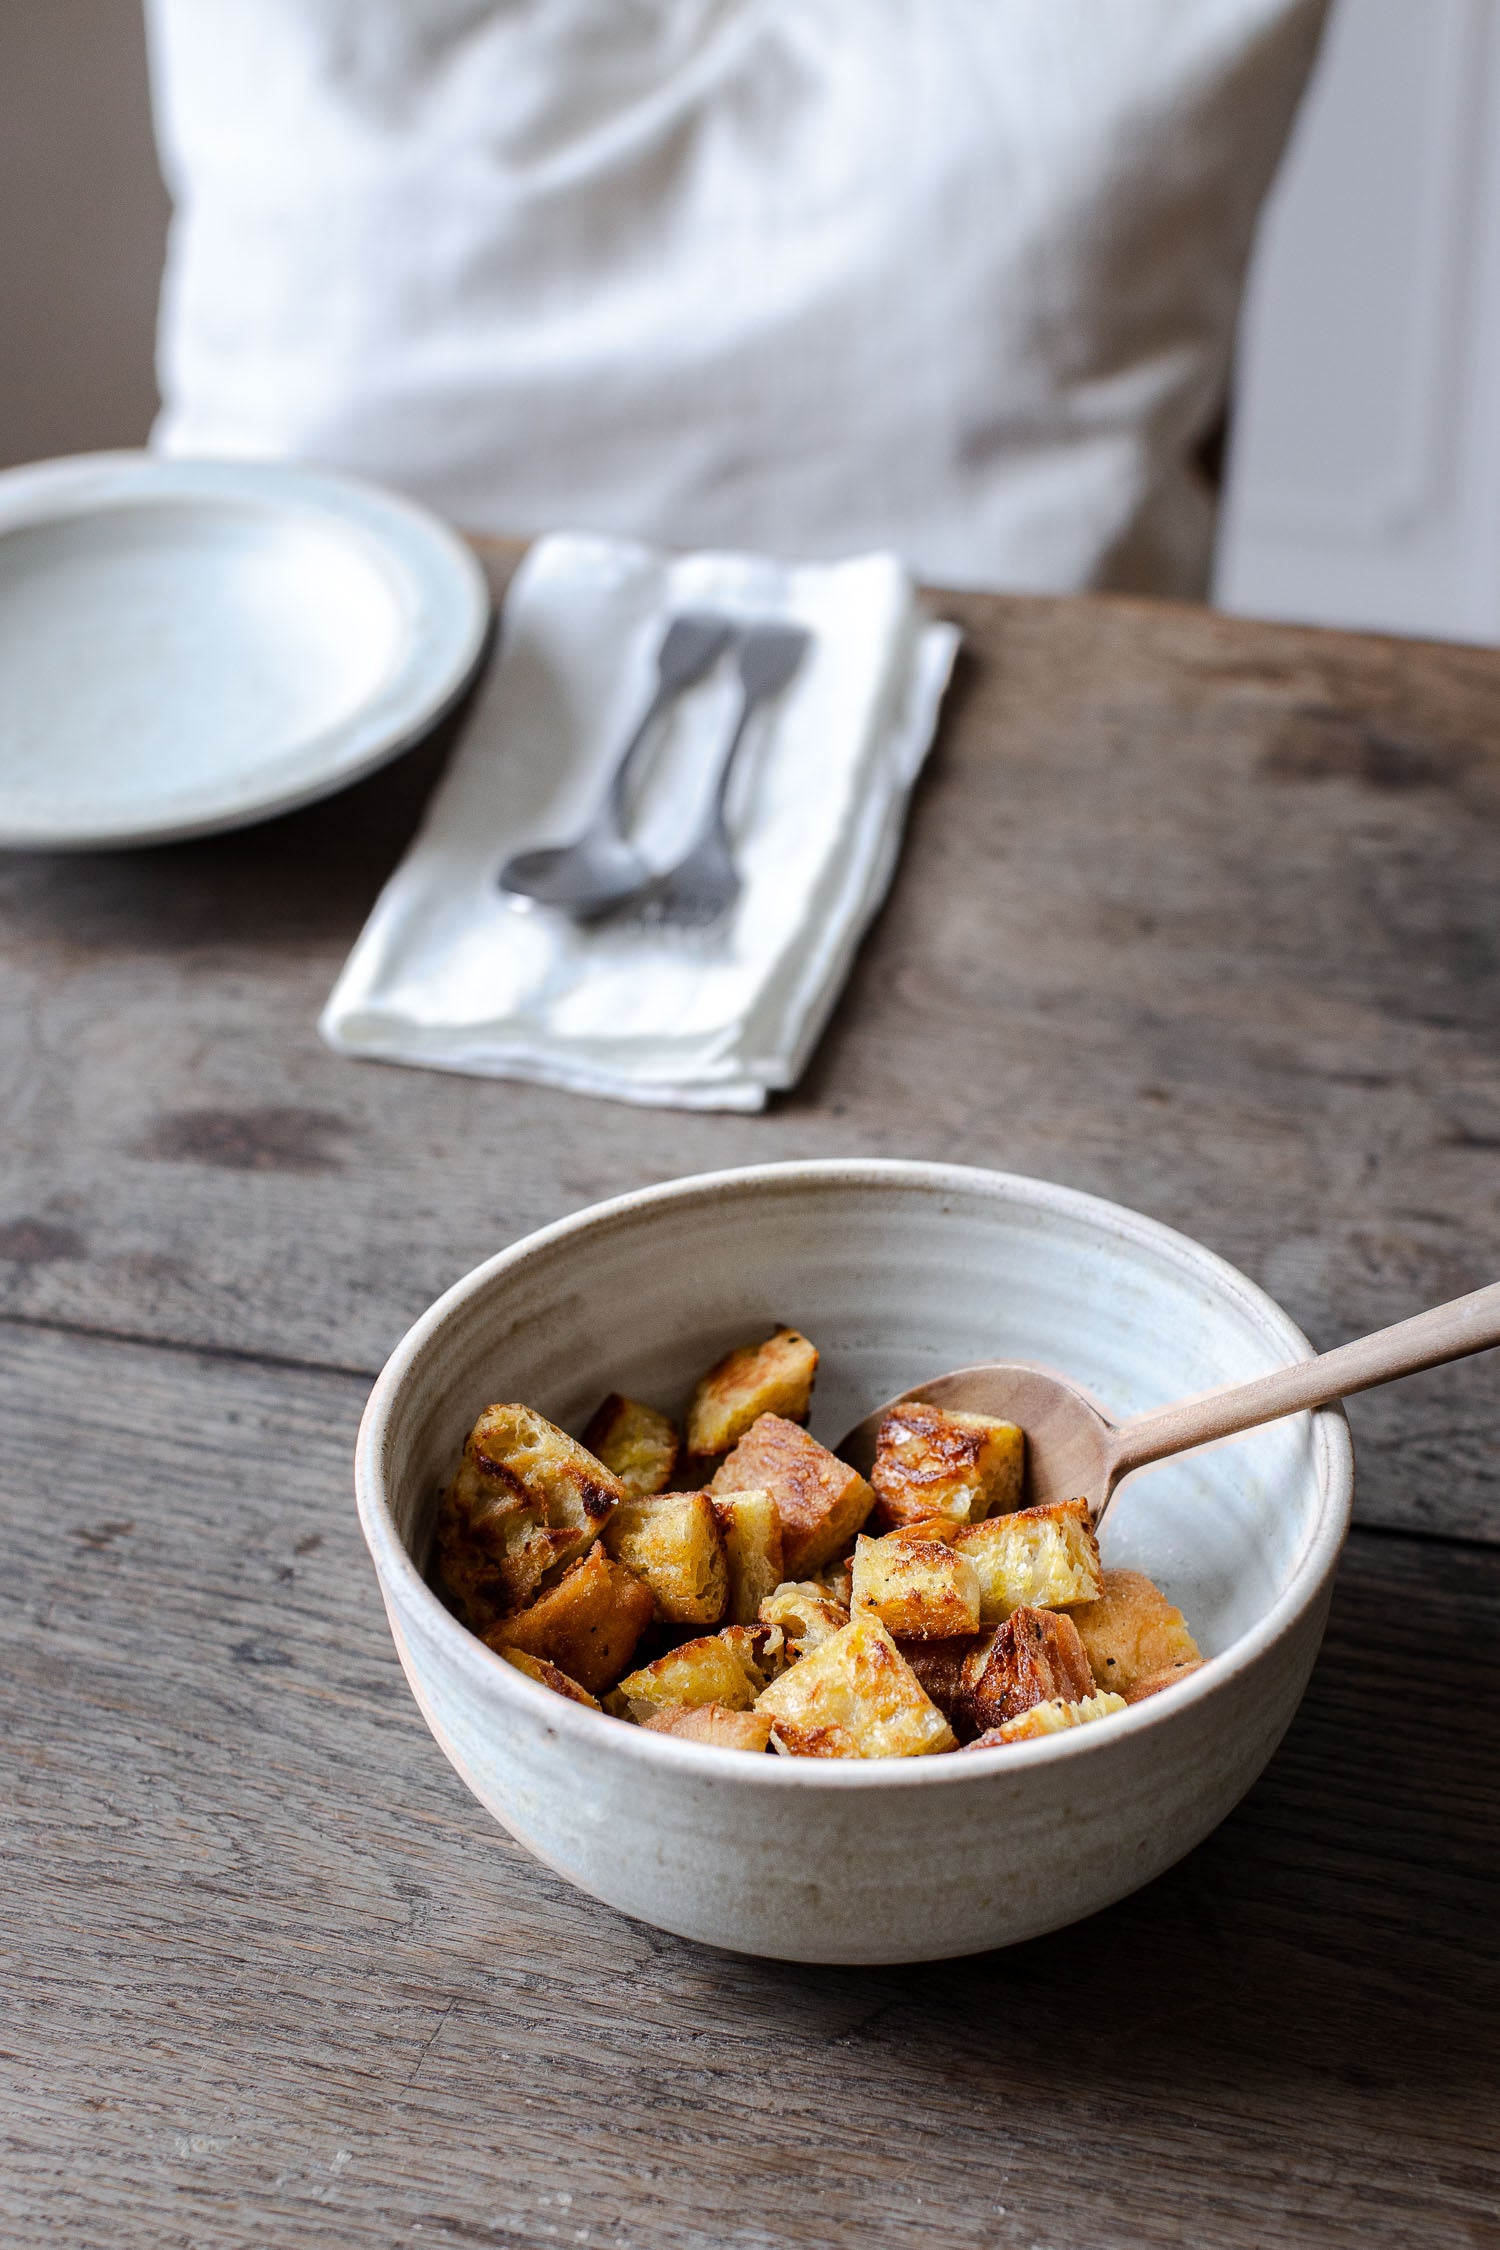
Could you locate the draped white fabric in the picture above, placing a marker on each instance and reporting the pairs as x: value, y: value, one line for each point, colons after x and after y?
x: 953, y: 277
x: 449, y: 973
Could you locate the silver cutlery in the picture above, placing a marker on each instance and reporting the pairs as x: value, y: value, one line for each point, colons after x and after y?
x: 602, y: 867
x: 706, y: 882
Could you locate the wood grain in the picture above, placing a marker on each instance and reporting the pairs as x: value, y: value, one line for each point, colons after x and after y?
x: 1200, y: 914
x: 1196, y: 913
x: 271, y: 1976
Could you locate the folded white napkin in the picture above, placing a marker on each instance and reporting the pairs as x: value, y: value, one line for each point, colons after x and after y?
x: 447, y: 972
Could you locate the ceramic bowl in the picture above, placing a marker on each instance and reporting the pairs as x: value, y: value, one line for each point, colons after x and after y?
x: 896, y: 1270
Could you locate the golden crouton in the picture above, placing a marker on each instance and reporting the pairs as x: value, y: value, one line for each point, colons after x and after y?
x: 1041, y: 1558
x: 836, y: 1580
x: 760, y: 1651
x: 805, y: 1617
x: 467, y: 1573
x: 822, y: 1502
x: 635, y: 1443
x: 775, y: 1377
x: 855, y: 1697
x: 919, y: 1587
x: 985, y: 1678
x: 712, y: 1723
x: 943, y: 1670
x: 751, y: 1526
x: 1050, y: 1718
x: 930, y: 1462
x: 548, y: 1675
x: 1152, y: 1683
x: 705, y: 1671
x: 587, y: 1624
x: 1132, y: 1630
x: 1034, y: 1657
x: 526, y: 1499
x: 673, y: 1542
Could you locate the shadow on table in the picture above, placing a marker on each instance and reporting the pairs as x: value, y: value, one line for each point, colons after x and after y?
x: 1335, y: 1930
x: 307, y: 877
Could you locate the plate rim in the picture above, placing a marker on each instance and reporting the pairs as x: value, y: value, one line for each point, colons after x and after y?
x: 439, y: 573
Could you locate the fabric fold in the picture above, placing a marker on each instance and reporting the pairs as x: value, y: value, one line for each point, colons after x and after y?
x: 451, y: 974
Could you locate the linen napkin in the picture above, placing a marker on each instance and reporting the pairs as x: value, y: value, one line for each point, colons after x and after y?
x: 450, y: 973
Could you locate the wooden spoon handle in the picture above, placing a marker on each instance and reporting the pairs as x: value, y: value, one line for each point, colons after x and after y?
x: 1468, y: 1324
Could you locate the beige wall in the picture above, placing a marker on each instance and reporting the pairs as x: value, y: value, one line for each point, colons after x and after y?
x: 83, y: 217
x: 1364, y: 487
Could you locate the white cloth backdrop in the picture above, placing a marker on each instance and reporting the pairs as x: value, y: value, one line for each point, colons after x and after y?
x: 957, y: 277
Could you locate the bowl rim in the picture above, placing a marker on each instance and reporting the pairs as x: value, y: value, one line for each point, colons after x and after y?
x: 420, y: 1609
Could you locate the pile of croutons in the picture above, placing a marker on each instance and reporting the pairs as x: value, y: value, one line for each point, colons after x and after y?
x: 719, y: 1584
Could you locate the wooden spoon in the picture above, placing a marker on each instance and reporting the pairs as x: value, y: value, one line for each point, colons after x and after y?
x: 1073, y: 1451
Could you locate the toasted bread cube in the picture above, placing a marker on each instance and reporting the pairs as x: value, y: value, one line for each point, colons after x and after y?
x: 1152, y: 1683
x: 855, y: 1697
x: 1039, y: 1558
x: 821, y: 1501
x: 1049, y: 1718
x: 548, y: 1675
x: 710, y: 1670
x: 835, y: 1581
x: 635, y: 1443
x: 1035, y: 1657
x: 985, y: 1678
x: 919, y: 1587
x: 1056, y: 1717
x: 526, y: 1499
x: 804, y: 1616
x: 1132, y: 1630
x: 932, y: 1462
x: 751, y: 1526
x: 674, y: 1543
x: 713, y: 1723
x: 943, y: 1668
x: 760, y: 1651
x: 467, y: 1573
x: 587, y: 1624
x: 775, y: 1377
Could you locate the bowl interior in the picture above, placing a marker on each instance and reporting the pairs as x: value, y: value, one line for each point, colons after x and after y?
x: 896, y: 1272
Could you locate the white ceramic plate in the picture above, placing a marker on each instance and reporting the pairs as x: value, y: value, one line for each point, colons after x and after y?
x: 190, y: 645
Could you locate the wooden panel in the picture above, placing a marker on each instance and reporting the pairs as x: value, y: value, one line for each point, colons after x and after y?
x: 1198, y: 914
x: 1364, y: 482
x: 271, y: 1976
x: 85, y: 228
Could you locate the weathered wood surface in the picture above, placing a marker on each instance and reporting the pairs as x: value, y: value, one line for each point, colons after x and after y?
x: 272, y: 1977
x: 1200, y: 914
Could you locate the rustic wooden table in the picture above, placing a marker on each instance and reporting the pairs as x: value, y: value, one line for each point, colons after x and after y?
x: 1201, y: 914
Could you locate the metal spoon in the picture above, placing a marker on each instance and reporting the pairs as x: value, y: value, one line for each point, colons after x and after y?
x: 706, y: 882
x: 602, y: 867
x: 1073, y: 1451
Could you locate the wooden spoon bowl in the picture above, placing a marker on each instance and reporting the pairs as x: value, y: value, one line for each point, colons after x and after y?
x: 1075, y: 1452
x: 1069, y: 1440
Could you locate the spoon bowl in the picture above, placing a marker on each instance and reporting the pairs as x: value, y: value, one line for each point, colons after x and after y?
x: 1069, y: 1440
x: 583, y: 879
x: 1074, y: 1451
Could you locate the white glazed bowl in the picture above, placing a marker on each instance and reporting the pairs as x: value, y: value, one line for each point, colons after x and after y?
x: 896, y: 1271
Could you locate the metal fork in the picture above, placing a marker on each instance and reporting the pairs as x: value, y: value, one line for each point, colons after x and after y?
x: 602, y: 867
x: 706, y: 882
